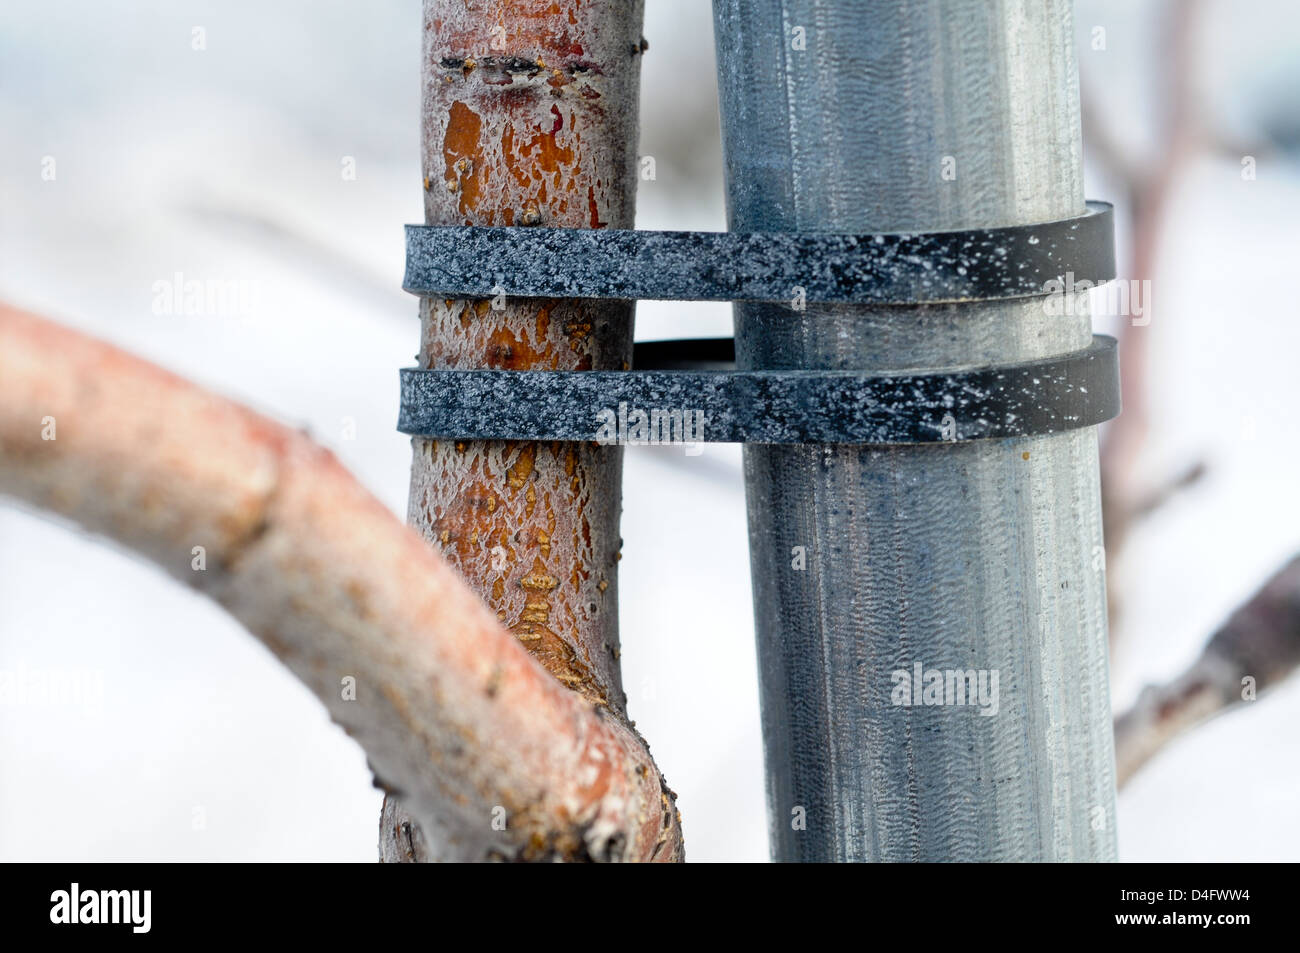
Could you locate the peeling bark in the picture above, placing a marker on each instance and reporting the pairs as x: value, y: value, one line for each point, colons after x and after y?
x: 494, y: 757
x: 529, y: 118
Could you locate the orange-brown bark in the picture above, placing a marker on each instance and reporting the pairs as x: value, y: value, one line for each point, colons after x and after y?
x: 530, y: 118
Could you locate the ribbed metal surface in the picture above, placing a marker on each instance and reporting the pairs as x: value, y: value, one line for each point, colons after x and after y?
x: 984, y: 557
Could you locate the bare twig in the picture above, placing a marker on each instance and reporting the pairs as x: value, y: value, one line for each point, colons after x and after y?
x: 1255, y: 649
x: 490, y: 751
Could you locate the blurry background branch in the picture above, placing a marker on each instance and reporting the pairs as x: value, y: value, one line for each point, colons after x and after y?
x: 1260, y: 643
x: 1254, y: 650
x: 1146, y: 186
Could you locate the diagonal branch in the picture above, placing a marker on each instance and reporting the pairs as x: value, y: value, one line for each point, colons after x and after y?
x: 1257, y: 648
x: 453, y: 713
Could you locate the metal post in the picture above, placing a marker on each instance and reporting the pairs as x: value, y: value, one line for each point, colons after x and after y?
x: 982, y: 557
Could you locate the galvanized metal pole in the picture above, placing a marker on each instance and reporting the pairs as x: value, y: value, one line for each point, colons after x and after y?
x: 876, y: 567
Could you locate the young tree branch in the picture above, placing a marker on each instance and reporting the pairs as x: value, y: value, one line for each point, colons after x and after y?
x: 493, y: 756
x: 1257, y: 648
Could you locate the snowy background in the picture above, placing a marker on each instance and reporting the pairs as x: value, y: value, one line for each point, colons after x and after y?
x: 224, y: 164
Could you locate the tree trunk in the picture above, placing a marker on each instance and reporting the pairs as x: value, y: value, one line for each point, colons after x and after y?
x: 529, y: 119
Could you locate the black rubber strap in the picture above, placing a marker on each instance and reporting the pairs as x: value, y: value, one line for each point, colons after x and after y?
x: 1062, y: 393
x: 899, y: 268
